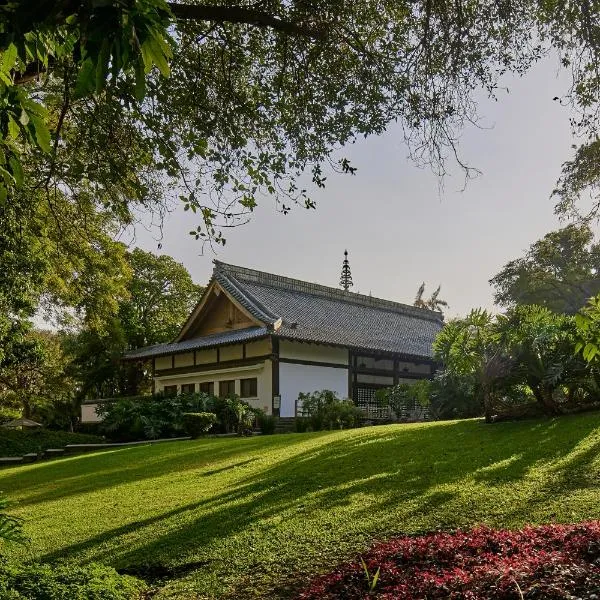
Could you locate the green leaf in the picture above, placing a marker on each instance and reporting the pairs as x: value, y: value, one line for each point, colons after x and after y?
x: 140, y: 81
x: 9, y: 56
x: 85, y: 78
x: 13, y: 127
x: 17, y: 170
x: 42, y: 134
x: 102, y: 65
x: 153, y: 54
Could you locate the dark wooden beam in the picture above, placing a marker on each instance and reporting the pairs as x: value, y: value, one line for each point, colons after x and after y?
x: 350, y: 373
x: 240, y: 362
x: 312, y: 363
x: 275, y: 374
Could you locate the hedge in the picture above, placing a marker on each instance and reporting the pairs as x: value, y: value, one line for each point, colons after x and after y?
x: 14, y: 442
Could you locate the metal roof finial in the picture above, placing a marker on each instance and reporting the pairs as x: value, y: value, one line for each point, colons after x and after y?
x: 346, y: 277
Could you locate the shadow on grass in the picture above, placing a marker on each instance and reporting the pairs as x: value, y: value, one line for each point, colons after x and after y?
x: 70, y: 476
x: 366, y: 473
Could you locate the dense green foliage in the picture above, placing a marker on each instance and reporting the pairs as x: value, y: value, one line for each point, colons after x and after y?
x: 11, y: 527
x: 108, y: 114
x: 15, y: 442
x: 559, y: 272
x: 37, y: 386
x: 49, y: 582
x: 325, y: 410
x: 197, y: 424
x: 257, y: 516
x: 266, y: 423
x: 588, y: 331
x: 523, y: 361
x: 152, y: 417
x: 161, y: 294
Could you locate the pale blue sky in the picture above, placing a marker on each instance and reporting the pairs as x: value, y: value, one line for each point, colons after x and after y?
x: 398, y: 228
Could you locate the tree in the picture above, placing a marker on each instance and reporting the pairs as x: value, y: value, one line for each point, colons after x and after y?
x: 37, y: 384
x: 110, y: 109
x: 161, y: 296
x: 468, y: 349
x: 433, y: 303
x: 560, y: 272
x: 541, y: 345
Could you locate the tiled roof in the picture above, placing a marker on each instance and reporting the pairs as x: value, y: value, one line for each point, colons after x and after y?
x: 308, y: 312
x: 207, y: 341
x: 316, y: 313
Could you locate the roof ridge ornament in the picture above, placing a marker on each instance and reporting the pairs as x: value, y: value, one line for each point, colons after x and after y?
x: 346, y: 277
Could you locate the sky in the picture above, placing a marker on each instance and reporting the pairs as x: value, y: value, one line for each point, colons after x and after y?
x: 398, y: 227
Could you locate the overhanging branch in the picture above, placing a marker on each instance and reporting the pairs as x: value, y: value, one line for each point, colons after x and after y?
x: 240, y: 14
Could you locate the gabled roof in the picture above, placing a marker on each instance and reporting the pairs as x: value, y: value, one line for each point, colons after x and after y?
x: 298, y: 310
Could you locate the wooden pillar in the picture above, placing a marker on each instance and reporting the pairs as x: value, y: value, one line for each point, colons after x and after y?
x: 350, y: 372
x: 153, y: 380
x: 396, y: 367
x: 275, y: 374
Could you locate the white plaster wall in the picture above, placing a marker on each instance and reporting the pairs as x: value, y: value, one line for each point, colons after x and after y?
x: 258, y: 348
x: 206, y: 356
x: 233, y: 352
x: 184, y: 360
x: 89, y: 414
x: 424, y: 369
x: 163, y: 362
x: 315, y: 352
x: 296, y: 379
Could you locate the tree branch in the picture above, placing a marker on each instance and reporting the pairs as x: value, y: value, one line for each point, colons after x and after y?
x: 240, y: 14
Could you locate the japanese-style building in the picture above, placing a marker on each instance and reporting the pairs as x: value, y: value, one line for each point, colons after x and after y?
x: 268, y: 338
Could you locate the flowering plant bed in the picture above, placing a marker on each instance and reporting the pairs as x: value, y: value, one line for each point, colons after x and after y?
x: 547, y: 562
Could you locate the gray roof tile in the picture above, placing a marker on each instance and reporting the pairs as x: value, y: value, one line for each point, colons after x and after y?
x: 315, y: 313
x: 207, y: 341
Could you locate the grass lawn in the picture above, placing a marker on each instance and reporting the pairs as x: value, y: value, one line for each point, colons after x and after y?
x: 256, y: 517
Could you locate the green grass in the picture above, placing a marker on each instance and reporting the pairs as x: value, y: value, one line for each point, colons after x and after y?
x: 14, y: 442
x: 256, y: 517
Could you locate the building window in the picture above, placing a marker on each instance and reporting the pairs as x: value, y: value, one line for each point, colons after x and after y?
x: 170, y: 390
x: 226, y: 388
x: 208, y: 387
x: 248, y: 388
x: 188, y: 388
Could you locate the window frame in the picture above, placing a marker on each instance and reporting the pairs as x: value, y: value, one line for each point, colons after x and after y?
x: 230, y: 383
x: 210, y: 385
x: 188, y: 391
x: 254, y: 387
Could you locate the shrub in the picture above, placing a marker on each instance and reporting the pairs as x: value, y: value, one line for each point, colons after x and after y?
x: 152, y: 417
x: 266, y: 423
x: 14, y: 442
x: 326, y: 411
x: 242, y: 414
x: 149, y: 417
x: 302, y: 424
x: 11, y: 528
x: 550, y: 562
x: 196, y: 424
x: 408, y: 401
x: 51, y: 582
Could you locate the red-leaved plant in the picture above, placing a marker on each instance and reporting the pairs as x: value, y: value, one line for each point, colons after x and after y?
x: 547, y: 562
